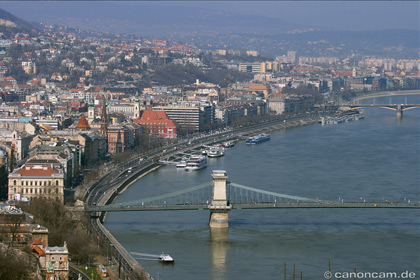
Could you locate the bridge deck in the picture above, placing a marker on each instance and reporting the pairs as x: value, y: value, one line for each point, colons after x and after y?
x: 114, y: 208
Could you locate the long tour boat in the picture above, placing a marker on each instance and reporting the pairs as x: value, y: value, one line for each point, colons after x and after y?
x: 196, y: 163
x: 257, y: 139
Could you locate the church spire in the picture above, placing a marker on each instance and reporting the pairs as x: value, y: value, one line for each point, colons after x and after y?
x: 104, y: 116
x: 91, y: 101
x: 91, y: 109
x: 136, y: 113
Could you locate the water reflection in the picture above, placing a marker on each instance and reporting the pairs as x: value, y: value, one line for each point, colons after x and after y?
x: 219, y: 240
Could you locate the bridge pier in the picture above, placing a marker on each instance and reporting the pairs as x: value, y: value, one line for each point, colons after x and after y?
x: 219, y: 207
x: 399, y: 112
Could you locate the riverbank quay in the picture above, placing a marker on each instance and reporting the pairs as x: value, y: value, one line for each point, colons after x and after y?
x: 120, y: 262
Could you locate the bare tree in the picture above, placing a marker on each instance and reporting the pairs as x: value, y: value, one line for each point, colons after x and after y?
x: 13, y: 223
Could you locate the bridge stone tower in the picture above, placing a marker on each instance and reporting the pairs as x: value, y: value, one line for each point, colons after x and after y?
x: 399, y: 112
x: 219, y: 207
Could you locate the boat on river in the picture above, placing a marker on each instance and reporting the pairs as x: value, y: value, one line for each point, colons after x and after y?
x: 216, y: 151
x: 182, y: 163
x: 258, y: 139
x: 228, y: 145
x: 196, y: 163
x: 166, y: 258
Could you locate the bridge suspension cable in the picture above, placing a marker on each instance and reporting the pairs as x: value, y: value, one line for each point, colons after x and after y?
x: 168, y: 195
x: 273, y: 194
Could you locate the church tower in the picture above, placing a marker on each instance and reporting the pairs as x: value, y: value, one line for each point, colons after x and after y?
x: 136, y: 114
x: 91, y: 109
x: 104, y: 117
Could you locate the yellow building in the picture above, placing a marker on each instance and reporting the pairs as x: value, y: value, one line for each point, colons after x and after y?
x: 33, y: 181
x: 262, y: 67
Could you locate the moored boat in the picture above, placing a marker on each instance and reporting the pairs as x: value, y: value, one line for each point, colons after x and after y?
x: 196, y: 163
x: 182, y: 163
x: 228, y: 144
x: 215, y: 151
x: 258, y: 139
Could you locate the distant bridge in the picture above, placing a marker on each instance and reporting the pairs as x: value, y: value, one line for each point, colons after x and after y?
x: 399, y: 108
x: 220, y: 197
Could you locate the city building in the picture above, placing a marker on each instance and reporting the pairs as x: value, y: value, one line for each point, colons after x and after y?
x: 262, y: 67
x: 121, y: 138
x: 158, y: 124
x: 57, y: 262
x: 31, y: 181
x: 191, y: 116
x: 282, y: 105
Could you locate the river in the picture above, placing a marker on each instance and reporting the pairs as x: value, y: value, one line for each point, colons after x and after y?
x: 377, y: 158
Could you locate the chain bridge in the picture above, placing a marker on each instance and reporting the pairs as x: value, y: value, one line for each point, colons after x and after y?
x: 220, y: 196
x: 399, y: 108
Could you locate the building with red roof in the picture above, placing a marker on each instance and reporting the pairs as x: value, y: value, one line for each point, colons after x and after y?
x: 83, y: 124
x: 158, y: 124
x: 31, y: 181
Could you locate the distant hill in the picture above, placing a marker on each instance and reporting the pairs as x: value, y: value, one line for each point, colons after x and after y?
x: 147, y: 19
x: 10, y: 24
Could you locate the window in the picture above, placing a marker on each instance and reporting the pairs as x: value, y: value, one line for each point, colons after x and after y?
x: 14, y: 182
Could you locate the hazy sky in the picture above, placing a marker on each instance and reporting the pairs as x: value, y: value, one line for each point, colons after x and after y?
x: 336, y: 15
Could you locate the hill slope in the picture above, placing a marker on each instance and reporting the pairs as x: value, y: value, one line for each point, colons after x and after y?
x: 10, y: 24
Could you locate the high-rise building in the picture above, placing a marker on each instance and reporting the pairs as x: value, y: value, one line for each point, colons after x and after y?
x: 292, y: 56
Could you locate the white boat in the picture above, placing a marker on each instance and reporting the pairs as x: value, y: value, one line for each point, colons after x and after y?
x: 228, y: 144
x: 165, y: 258
x: 196, y: 163
x: 182, y: 163
x: 216, y: 151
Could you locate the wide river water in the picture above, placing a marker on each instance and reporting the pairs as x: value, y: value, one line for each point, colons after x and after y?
x: 377, y: 158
